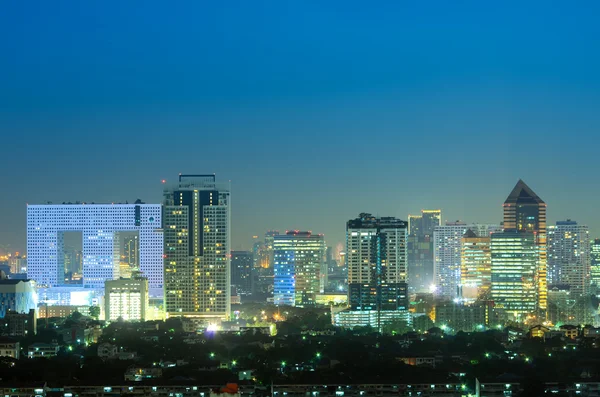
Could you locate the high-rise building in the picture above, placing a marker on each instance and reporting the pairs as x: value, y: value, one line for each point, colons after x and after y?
x: 420, y: 249
x: 131, y: 251
x: 569, y: 256
x: 514, y: 264
x: 447, y: 249
x: 126, y: 298
x: 100, y: 225
x: 525, y: 211
x: 298, y: 260
x: 241, y: 271
x: 197, y: 248
x: 72, y: 260
x: 476, y: 266
x: 377, y: 270
x: 595, y: 264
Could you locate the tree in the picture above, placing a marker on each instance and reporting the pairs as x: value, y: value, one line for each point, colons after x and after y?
x: 399, y: 327
x: 95, y: 311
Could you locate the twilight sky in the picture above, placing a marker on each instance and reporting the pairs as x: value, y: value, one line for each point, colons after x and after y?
x: 315, y: 110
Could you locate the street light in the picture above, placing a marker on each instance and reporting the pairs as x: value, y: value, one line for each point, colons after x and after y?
x: 318, y: 355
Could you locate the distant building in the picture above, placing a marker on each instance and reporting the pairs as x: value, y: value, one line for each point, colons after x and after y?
x: 126, y: 298
x: 447, y: 249
x: 17, y: 295
x: 468, y: 318
x: 197, y: 248
x: 61, y: 311
x: 525, y: 211
x: 476, y: 266
x: 377, y: 272
x: 100, y: 225
x: 514, y: 263
x: 242, y: 263
x: 9, y: 348
x: 42, y: 350
x: 18, y: 324
x: 298, y: 261
x: 420, y: 249
x: 595, y: 264
x: 569, y: 257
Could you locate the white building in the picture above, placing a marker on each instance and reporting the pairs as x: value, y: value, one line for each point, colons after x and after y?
x: 9, y: 348
x: 42, y: 350
x: 126, y: 298
x: 100, y: 225
x: 197, y: 248
x: 569, y: 259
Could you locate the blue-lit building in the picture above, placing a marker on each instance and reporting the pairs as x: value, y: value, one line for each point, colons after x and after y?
x: 299, y: 258
x: 17, y: 296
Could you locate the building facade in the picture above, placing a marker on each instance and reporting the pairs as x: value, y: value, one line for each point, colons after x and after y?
x: 476, y: 267
x: 298, y: 261
x: 447, y: 249
x: 376, y: 256
x: 100, y: 225
x: 242, y: 263
x: 569, y: 260
x: 514, y: 263
x: 126, y: 298
x: 525, y: 211
x: 197, y: 248
x: 18, y: 296
x: 420, y: 249
x: 595, y: 264
x: 131, y: 251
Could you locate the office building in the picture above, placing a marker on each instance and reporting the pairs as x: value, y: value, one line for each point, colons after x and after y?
x: 197, y: 248
x: 476, y: 267
x: 9, y: 348
x: 420, y: 249
x: 18, y: 296
x: 569, y: 257
x: 298, y: 261
x: 376, y: 256
x: 447, y: 249
x: 126, y: 298
x: 131, y: 251
x: 242, y: 263
x: 525, y: 211
x: 514, y: 264
x: 100, y: 225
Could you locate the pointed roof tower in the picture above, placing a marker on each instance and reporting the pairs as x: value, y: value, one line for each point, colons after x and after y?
x: 470, y: 234
x: 523, y: 194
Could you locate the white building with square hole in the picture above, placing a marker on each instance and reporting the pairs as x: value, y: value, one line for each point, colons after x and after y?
x: 99, y: 225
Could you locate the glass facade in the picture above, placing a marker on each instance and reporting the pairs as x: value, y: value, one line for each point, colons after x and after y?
x: 476, y: 267
x: 298, y: 260
x: 514, y: 257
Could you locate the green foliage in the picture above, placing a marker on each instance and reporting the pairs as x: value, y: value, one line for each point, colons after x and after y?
x: 95, y: 311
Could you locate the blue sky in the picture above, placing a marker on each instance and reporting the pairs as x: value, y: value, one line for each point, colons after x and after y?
x: 314, y: 110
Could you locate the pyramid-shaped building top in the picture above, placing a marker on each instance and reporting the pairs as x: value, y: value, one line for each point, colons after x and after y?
x: 523, y: 194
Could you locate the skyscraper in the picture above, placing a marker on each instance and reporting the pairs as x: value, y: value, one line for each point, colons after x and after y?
x: 420, y: 249
x: 197, y: 248
x: 298, y: 261
x: 241, y: 271
x: 447, y: 249
x: 476, y: 266
x: 569, y: 256
x: 514, y: 264
x: 525, y: 211
x: 376, y: 258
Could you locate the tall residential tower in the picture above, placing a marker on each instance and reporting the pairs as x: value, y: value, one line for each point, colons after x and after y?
x: 196, y: 217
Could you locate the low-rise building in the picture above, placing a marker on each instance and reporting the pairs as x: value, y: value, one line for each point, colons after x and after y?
x: 42, y: 350
x: 9, y: 348
x: 570, y: 331
x: 138, y: 374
